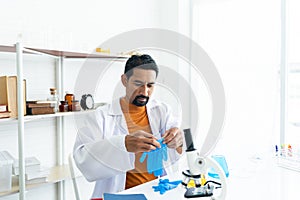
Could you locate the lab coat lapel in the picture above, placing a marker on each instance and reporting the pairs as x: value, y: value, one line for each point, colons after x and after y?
x: 116, y: 111
x: 154, y: 118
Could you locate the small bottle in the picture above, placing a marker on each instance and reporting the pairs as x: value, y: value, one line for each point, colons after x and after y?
x: 54, y: 97
x: 76, y: 105
x: 69, y: 98
x: 289, y: 150
x: 63, y: 107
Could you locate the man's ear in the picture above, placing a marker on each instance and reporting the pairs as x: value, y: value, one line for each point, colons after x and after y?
x: 124, y: 80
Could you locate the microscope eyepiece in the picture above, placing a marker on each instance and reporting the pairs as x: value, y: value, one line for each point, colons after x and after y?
x: 188, y: 140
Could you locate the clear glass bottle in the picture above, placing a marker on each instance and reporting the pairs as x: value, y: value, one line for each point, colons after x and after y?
x: 54, y: 97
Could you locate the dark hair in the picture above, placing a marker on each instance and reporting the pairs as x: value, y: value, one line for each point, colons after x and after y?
x: 140, y: 61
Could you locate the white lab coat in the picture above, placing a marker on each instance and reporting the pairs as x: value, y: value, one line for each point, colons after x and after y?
x: 100, y: 152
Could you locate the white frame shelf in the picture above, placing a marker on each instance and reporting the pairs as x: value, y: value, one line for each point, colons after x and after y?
x: 59, y: 56
x: 57, y: 174
x: 30, y: 118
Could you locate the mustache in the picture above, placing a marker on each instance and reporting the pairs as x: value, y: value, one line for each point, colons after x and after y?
x: 141, y: 96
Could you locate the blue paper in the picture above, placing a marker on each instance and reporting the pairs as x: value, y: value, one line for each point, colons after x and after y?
x: 155, y: 159
x: 108, y: 196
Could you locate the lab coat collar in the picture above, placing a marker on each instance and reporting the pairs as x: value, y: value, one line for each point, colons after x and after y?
x: 115, y: 108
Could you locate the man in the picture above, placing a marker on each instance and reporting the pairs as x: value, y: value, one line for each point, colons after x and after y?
x: 108, y: 149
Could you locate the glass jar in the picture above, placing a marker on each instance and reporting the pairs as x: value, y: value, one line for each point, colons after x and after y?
x: 54, y: 98
x: 76, y: 105
x: 63, y: 107
x: 69, y: 98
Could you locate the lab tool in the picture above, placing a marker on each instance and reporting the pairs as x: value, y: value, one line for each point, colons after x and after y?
x: 155, y: 159
x: 199, y: 164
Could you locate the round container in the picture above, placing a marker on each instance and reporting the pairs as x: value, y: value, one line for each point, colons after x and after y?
x: 76, y: 105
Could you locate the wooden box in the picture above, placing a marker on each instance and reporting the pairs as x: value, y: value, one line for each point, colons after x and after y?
x: 8, y: 94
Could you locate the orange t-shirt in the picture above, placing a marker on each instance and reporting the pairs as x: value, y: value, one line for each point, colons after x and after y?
x: 136, y: 119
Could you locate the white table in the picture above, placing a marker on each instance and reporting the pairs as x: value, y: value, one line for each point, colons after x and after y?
x: 264, y: 181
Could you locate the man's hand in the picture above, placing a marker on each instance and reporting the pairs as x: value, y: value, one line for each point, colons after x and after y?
x: 141, y: 141
x: 173, y: 138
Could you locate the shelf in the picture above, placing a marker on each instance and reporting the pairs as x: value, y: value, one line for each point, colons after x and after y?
x: 57, y: 174
x: 69, y: 54
x: 29, y: 118
x: 296, y: 124
x: 65, y: 54
x: 291, y: 163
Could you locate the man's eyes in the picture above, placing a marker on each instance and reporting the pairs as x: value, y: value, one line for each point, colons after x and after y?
x: 150, y: 85
x: 141, y: 84
x: 138, y: 84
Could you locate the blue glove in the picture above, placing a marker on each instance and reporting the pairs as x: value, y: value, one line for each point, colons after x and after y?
x: 155, y: 159
x: 165, y: 185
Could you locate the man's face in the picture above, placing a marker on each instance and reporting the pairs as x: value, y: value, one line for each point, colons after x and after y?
x: 139, y: 86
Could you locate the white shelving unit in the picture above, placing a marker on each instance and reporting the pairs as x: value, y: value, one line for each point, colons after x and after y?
x: 60, y: 172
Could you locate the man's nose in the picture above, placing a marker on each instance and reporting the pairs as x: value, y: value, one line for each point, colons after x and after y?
x: 144, y: 90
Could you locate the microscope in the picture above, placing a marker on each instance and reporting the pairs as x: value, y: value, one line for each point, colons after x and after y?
x: 198, y: 166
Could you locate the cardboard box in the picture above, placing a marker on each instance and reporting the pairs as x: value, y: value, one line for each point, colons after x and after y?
x: 8, y: 94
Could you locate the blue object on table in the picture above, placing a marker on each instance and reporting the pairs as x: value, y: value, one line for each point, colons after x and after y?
x: 109, y: 196
x: 155, y: 159
x: 222, y: 162
x: 165, y: 185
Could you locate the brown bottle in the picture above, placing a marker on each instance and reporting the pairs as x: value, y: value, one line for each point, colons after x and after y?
x: 69, y: 97
x: 63, y: 107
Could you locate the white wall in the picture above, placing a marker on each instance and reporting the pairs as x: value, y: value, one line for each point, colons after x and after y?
x: 80, y: 26
x: 243, y: 40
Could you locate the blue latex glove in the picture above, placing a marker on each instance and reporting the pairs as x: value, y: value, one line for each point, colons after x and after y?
x: 155, y: 159
x: 164, y: 185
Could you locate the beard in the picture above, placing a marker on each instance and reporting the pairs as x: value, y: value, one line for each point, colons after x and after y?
x: 139, y: 103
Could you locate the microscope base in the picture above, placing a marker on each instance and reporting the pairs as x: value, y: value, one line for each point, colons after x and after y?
x: 198, y: 192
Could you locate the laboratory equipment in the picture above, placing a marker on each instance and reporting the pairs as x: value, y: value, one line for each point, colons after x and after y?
x: 198, y: 165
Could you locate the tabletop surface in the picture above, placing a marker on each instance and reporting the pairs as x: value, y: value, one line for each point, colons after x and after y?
x: 264, y: 181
